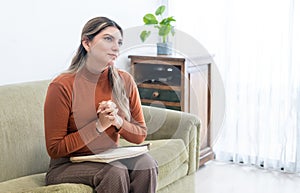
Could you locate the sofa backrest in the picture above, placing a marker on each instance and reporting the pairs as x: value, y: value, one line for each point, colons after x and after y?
x: 22, y: 141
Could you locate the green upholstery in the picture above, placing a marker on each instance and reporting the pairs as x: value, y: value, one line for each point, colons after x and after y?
x: 174, y: 136
x: 36, y: 184
x: 22, y: 143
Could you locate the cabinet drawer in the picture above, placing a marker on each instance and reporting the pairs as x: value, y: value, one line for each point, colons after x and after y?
x: 159, y: 94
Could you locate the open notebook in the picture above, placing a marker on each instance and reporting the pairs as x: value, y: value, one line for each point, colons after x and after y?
x: 114, y: 154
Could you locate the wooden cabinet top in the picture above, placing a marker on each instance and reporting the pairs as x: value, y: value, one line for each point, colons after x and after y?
x: 191, y: 63
x: 158, y: 57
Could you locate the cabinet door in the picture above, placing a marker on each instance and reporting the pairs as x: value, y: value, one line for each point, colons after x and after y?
x: 199, y: 105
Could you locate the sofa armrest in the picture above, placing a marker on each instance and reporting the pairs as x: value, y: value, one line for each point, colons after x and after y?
x: 171, y: 124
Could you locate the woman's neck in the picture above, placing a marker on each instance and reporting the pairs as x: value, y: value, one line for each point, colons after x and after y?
x: 94, y: 67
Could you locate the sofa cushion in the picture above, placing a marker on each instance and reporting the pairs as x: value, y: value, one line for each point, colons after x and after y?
x: 62, y: 188
x: 172, y: 158
x: 170, y: 154
x: 23, y: 183
x: 36, y: 184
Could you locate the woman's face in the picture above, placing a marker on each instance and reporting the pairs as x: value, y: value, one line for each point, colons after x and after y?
x: 103, y: 50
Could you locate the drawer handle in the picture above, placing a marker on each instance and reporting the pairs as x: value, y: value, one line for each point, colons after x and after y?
x: 155, y: 94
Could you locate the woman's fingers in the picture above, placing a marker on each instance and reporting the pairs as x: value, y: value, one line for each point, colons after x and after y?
x: 109, y: 110
x: 110, y: 117
x: 104, y: 105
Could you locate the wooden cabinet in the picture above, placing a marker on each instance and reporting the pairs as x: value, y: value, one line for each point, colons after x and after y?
x: 175, y: 83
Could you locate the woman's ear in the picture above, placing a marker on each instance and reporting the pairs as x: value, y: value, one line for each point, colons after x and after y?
x: 86, y: 43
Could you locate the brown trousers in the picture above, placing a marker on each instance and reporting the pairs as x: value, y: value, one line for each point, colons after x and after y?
x: 133, y: 175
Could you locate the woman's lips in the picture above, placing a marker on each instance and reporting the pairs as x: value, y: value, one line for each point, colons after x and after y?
x: 113, y: 56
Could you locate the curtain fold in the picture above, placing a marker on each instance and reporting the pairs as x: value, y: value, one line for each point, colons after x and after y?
x: 262, y: 86
x: 256, y: 46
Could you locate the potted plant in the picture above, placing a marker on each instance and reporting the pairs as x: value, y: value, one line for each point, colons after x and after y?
x: 164, y: 27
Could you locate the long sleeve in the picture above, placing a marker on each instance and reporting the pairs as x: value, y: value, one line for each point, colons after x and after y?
x: 70, y: 114
x: 135, y: 130
x: 59, y: 141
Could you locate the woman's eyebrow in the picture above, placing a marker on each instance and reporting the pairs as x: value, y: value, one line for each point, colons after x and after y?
x: 108, y: 35
x: 112, y: 36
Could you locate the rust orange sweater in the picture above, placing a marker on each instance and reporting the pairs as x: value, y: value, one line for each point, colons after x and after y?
x: 70, y: 114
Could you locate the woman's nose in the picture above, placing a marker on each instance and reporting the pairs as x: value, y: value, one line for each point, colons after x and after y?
x: 116, y: 46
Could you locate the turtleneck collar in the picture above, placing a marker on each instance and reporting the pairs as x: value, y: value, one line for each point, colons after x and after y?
x: 92, y: 77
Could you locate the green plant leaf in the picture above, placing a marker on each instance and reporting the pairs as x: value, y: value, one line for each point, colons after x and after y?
x: 144, y: 35
x: 167, y: 21
x: 150, y: 19
x: 160, y: 10
x: 164, y: 25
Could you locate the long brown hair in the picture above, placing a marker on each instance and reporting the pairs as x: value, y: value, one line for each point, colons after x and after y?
x: 90, y: 30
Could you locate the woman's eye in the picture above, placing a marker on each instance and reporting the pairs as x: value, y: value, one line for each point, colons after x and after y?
x: 108, y: 38
x: 120, y: 43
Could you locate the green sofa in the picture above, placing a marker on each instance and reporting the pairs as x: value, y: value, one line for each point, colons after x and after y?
x: 24, y: 160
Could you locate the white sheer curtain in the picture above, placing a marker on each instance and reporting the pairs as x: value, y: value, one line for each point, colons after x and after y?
x: 256, y: 46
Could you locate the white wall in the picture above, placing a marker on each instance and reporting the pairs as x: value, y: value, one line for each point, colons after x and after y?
x: 39, y: 37
x: 203, y: 20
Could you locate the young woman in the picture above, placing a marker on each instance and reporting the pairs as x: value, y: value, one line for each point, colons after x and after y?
x: 88, y: 108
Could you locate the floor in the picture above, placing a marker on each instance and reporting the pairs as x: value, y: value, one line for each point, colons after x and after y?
x: 219, y: 177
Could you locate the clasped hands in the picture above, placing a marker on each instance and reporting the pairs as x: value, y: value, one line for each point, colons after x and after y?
x: 108, y: 115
